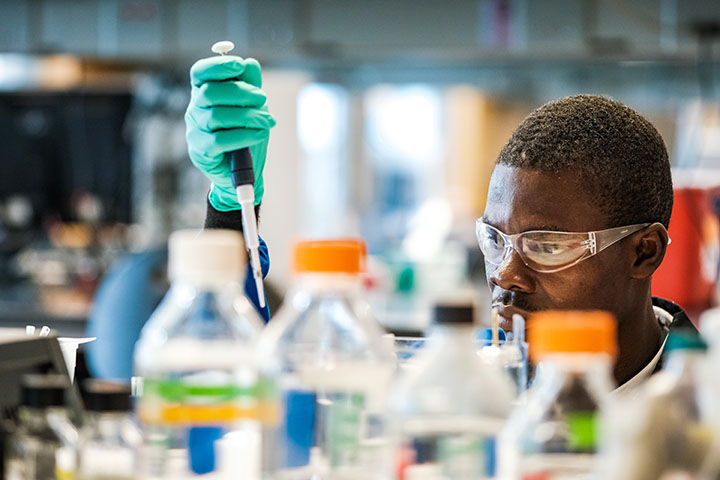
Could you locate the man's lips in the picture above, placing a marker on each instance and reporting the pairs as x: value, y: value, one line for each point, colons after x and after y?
x: 505, y: 314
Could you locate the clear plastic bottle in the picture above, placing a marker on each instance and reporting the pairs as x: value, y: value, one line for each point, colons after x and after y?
x: 198, y: 409
x: 664, y: 431
x: 42, y: 448
x: 554, y: 435
x: 331, y: 367
x: 109, y: 439
x: 450, y: 408
x: 710, y: 331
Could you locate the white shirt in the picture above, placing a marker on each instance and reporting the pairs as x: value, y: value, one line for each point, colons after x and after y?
x: 665, y: 319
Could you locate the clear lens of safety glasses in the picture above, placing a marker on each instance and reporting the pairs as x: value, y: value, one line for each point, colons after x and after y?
x: 548, y: 251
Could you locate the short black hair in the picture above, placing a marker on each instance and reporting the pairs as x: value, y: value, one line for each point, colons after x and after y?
x: 616, y: 151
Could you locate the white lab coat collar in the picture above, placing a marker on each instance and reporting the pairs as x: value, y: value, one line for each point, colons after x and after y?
x: 665, y: 319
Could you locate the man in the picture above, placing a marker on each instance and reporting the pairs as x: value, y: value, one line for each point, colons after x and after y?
x: 591, y: 165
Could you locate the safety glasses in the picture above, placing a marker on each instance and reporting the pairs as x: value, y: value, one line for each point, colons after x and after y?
x: 548, y: 251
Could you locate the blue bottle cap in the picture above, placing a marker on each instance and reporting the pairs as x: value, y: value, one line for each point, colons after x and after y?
x: 201, y: 448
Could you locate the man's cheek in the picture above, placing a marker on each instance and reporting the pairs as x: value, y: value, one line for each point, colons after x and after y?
x: 568, y: 293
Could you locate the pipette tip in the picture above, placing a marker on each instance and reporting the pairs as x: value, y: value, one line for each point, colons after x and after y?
x: 260, y: 291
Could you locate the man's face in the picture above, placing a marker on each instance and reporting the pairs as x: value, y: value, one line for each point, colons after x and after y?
x: 520, y: 200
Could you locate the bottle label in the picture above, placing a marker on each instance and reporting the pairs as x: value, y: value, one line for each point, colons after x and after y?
x: 345, y: 413
x: 575, y: 457
x: 330, y: 423
x: 457, y: 456
x: 582, y: 431
x: 177, y: 402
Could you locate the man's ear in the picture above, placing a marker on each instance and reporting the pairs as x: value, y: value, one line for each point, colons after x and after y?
x: 649, y: 245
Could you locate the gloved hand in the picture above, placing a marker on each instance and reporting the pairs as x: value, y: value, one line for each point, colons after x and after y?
x: 227, y: 111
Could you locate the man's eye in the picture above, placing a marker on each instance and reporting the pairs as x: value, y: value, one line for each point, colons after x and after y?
x: 550, y: 248
x: 545, y: 248
x: 493, y: 237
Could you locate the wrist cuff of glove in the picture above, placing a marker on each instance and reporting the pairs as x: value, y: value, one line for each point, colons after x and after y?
x: 222, y: 201
x: 229, y: 220
x: 225, y: 201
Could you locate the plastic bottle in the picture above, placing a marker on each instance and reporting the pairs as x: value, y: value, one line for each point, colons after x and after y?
x: 326, y: 355
x: 42, y: 448
x: 554, y: 435
x: 663, y: 431
x: 198, y: 409
x: 710, y: 330
x: 108, y: 439
x: 450, y: 408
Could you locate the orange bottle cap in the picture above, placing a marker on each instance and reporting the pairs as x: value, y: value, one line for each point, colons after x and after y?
x: 556, y: 331
x: 330, y: 256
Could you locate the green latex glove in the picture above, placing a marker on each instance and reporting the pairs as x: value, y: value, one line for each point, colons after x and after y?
x: 227, y: 111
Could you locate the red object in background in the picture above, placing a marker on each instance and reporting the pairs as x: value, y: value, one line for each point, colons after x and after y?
x: 688, y: 274
x: 537, y: 476
x: 405, y: 458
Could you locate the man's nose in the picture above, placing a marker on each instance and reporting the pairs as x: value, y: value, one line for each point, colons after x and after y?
x: 512, y: 275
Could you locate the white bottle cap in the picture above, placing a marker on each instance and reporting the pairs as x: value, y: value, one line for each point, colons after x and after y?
x: 207, y: 257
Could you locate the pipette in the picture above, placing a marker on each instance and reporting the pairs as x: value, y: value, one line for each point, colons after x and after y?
x: 519, y: 340
x: 495, y: 327
x: 518, y: 328
x: 243, y: 179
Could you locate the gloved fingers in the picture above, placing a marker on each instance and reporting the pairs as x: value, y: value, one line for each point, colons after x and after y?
x: 216, y: 118
x: 223, y: 197
x: 220, y: 169
x: 210, y: 146
x: 216, y: 69
x: 235, y: 138
x: 253, y: 72
x: 233, y: 94
x: 259, y: 154
x: 215, y: 168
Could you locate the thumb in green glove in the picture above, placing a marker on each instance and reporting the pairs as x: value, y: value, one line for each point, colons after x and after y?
x: 227, y: 111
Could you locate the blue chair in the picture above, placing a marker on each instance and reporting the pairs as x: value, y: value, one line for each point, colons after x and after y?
x: 124, y: 301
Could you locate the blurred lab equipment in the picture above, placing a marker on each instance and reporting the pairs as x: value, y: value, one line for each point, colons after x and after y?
x: 406, y: 349
x: 554, y: 434
x: 450, y: 407
x: 663, y: 430
x: 194, y: 356
x: 165, y: 186
x: 331, y: 368
x: 42, y: 447
x: 21, y: 355
x: 507, y: 351
x: 64, y: 191
x: 109, y: 440
x: 689, y: 272
x: 69, y: 347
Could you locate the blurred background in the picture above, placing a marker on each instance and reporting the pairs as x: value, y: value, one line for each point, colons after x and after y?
x: 390, y: 115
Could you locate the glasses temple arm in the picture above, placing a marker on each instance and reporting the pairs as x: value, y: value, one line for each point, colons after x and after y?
x: 604, y: 238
